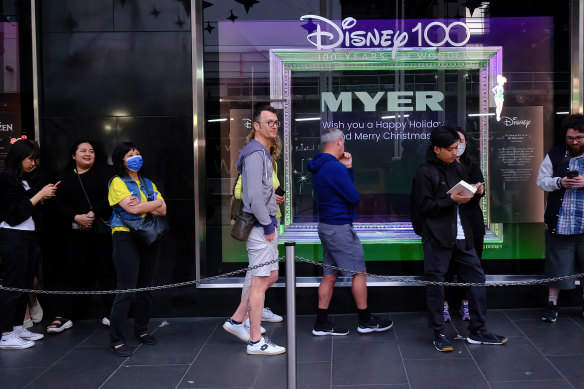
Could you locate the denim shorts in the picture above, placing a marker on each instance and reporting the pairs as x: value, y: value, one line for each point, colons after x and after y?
x: 564, y: 256
x: 341, y: 247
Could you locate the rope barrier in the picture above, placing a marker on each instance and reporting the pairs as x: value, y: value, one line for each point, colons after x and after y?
x: 298, y: 259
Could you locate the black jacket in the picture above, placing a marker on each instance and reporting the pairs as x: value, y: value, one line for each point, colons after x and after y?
x: 15, y: 205
x: 438, y: 210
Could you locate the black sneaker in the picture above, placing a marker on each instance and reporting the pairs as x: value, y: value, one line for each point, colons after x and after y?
x: 485, y: 337
x: 550, y: 313
x: 375, y: 324
x: 328, y: 329
x: 442, y: 344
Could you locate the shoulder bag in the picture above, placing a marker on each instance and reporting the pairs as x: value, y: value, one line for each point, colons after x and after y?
x: 244, y: 223
x: 148, y: 229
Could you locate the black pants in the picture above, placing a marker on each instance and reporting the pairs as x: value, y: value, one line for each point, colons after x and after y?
x: 457, y: 293
x: 436, y: 262
x: 86, y: 263
x: 134, y: 263
x: 19, y: 253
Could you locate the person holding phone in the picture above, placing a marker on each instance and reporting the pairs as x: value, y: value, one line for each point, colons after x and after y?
x: 561, y: 175
x: 20, y: 201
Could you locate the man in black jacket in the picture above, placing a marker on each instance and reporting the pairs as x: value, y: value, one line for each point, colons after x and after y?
x: 447, y: 236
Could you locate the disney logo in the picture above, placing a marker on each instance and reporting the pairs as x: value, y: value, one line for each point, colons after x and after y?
x: 507, y: 121
x: 384, y: 38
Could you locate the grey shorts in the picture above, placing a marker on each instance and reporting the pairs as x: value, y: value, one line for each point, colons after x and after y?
x: 564, y: 256
x: 341, y: 247
x: 259, y: 250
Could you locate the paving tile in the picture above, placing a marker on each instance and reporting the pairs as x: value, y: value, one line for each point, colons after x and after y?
x: 145, y: 377
x: 517, y: 360
x: 544, y: 384
x: 17, y: 378
x: 178, y: 343
x: 78, y: 378
x: 389, y: 386
x: 223, y: 365
x: 309, y: 348
x: 42, y: 354
x: 570, y: 367
x: 551, y: 338
x: 88, y: 358
x: 313, y: 375
x: 358, y: 363
x: 445, y: 373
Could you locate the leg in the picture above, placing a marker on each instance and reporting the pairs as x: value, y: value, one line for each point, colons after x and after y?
x: 148, y: 256
x: 126, y: 259
x: 257, y: 292
x: 13, y: 270
x: 471, y: 271
x: 325, y: 290
x: 436, y: 262
x: 359, y: 289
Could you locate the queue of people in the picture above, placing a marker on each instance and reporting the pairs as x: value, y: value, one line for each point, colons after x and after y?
x: 101, y: 209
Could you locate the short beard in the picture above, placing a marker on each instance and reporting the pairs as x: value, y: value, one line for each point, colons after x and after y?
x: 576, y: 149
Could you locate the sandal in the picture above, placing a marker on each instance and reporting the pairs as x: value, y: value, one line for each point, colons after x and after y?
x: 60, y: 324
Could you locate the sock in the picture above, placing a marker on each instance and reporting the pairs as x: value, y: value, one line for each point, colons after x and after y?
x: 553, y: 299
x: 364, y: 315
x: 321, y: 316
x: 252, y: 343
x: 237, y: 323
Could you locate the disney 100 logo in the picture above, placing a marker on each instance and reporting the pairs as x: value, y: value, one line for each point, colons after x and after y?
x: 385, y: 38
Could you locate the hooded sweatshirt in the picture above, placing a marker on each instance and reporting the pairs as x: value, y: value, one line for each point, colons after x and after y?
x: 255, y: 166
x: 334, y: 186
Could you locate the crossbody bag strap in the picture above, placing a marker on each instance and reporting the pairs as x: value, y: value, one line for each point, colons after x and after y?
x: 84, y: 192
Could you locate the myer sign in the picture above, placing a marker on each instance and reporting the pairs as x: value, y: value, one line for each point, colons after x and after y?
x: 432, y: 33
x: 396, y: 101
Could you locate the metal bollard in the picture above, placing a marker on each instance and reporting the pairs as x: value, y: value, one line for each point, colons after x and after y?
x: 291, y: 314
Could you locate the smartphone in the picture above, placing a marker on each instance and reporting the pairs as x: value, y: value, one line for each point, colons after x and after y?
x: 280, y: 191
x: 572, y: 174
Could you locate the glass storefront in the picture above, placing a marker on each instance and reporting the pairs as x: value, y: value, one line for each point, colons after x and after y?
x: 387, y: 78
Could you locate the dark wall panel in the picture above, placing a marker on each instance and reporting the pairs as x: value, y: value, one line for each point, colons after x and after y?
x: 117, y: 74
x: 67, y: 15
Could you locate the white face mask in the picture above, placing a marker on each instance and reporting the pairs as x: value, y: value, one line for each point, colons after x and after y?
x: 461, y: 148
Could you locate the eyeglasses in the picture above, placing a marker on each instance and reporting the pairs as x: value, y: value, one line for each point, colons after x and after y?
x: 272, y: 123
x: 577, y: 139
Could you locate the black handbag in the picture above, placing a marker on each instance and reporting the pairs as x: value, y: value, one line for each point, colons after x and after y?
x: 243, y: 226
x: 148, y: 229
x: 100, y: 225
x: 244, y: 223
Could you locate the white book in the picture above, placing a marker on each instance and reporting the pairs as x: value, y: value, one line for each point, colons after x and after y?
x: 464, y: 187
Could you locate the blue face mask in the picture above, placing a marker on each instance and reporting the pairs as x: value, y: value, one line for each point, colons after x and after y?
x: 135, y: 163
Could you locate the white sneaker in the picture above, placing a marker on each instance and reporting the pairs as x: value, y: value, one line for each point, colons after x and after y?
x: 12, y: 341
x: 105, y: 321
x: 268, y: 315
x: 265, y: 347
x: 36, y: 313
x: 246, y: 325
x: 27, y: 323
x: 25, y: 334
x: 236, y: 329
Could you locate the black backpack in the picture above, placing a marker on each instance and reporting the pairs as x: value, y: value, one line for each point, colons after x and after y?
x: 417, y: 220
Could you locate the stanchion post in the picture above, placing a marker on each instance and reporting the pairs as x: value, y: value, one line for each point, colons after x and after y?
x: 291, y: 314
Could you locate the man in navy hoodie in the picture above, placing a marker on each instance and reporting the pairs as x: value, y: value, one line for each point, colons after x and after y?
x: 337, y: 197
